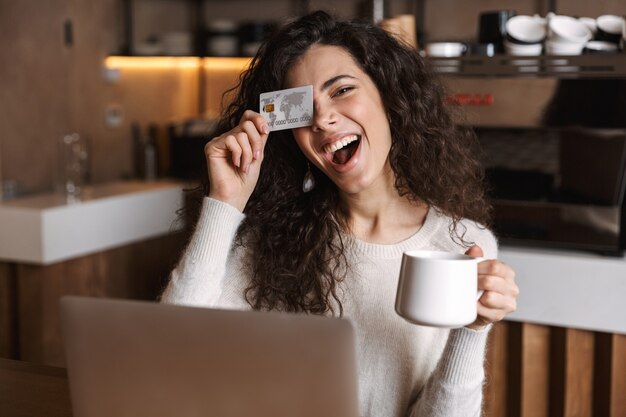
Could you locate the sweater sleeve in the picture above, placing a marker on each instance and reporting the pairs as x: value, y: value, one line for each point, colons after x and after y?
x: 197, y: 280
x: 455, y: 386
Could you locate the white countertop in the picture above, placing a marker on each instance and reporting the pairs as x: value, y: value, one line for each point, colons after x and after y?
x: 45, y: 228
x: 560, y: 288
x: 573, y: 289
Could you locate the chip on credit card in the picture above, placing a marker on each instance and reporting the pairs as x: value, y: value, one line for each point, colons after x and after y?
x: 287, y: 109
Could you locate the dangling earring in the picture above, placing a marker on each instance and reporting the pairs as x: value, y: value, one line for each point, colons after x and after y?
x: 309, y: 180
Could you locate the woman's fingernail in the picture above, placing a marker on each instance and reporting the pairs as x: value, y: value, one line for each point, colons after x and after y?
x: 265, y: 129
x: 257, y: 154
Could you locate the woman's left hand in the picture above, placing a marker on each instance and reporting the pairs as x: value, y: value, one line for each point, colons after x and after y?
x: 500, y: 291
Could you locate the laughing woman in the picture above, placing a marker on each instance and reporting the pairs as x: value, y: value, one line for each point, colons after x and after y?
x: 385, y: 170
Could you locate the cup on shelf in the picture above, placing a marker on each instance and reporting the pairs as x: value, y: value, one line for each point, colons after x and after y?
x: 600, y: 47
x: 492, y: 27
x: 566, y: 36
x: 532, y: 49
x: 622, y: 42
x: 445, y: 49
x: 590, y: 23
x: 566, y: 29
x: 525, y: 30
x: 524, y: 35
x: 610, y: 28
x: 564, y: 48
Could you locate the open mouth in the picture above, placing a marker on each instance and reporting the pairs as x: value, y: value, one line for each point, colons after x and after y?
x: 343, y: 150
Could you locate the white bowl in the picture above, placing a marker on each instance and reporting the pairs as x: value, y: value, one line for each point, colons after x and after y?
x: 527, y: 29
x: 568, y: 29
x: 601, y: 46
x: 564, y: 48
x: 445, y: 49
x: 590, y: 23
x: 533, y: 49
x: 610, y: 24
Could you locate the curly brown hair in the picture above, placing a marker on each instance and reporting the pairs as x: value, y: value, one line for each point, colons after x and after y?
x: 295, y: 238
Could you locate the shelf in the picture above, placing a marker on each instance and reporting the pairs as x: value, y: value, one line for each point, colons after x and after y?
x: 580, y: 66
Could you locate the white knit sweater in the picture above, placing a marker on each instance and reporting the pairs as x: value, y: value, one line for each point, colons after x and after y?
x: 404, y: 369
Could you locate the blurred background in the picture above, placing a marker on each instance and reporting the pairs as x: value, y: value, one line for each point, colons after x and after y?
x: 105, y: 106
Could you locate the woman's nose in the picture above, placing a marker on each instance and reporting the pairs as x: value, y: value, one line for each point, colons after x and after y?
x: 323, y: 117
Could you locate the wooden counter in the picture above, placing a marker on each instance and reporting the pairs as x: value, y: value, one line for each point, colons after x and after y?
x: 31, y: 390
x: 121, y: 241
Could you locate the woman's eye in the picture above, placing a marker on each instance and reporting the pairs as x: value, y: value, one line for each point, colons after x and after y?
x: 341, y: 91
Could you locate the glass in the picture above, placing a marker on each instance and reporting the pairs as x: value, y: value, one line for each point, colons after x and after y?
x: 73, y: 165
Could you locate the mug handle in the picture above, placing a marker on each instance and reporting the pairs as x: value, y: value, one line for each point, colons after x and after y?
x: 479, y: 292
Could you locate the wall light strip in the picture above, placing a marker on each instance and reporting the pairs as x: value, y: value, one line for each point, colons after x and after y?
x: 171, y: 62
x: 156, y: 62
x: 226, y: 64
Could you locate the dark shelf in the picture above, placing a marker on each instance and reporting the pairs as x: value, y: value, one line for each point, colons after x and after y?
x: 578, y: 66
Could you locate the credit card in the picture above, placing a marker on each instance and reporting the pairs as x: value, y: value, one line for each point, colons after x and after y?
x: 287, y: 109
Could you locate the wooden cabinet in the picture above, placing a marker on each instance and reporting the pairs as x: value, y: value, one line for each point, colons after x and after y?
x: 29, y: 294
x: 544, y: 371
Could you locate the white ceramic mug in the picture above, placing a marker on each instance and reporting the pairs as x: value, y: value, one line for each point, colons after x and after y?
x: 566, y: 29
x: 445, y: 49
x: 438, y: 289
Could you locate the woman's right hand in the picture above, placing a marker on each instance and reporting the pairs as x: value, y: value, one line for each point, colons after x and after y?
x: 234, y: 160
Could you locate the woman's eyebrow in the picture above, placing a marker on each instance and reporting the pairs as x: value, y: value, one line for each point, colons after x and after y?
x: 333, y: 80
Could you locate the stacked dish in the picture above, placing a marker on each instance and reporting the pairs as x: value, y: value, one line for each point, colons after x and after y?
x: 524, y: 35
x: 566, y: 36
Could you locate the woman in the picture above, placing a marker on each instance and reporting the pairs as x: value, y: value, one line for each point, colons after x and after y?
x: 391, y: 173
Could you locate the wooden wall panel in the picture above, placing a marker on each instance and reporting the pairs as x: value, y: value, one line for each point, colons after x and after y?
x: 579, y: 373
x: 35, y: 79
x: 602, y: 374
x: 618, y: 376
x: 496, y: 388
x: 514, y: 345
x: 137, y: 271
x: 535, y: 370
x: 571, y: 379
x: 535, y: 376
x: 8, y: 311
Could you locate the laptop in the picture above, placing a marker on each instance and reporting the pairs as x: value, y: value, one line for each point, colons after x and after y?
x: 137, y: 358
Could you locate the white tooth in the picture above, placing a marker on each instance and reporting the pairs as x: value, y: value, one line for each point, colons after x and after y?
x: 334, y: 147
